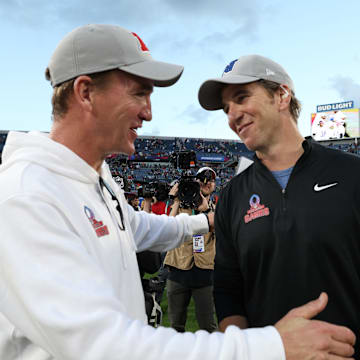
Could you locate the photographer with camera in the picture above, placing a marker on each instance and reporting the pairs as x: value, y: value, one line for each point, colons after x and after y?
x: 192, y: 264
x: 156, y: 199
x: 161, y: 205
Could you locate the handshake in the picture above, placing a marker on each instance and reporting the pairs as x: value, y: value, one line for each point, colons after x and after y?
x: 313, y: 339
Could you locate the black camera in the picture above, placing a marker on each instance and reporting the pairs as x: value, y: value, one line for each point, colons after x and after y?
x: 162, y: 191
x: 183, y: 159
x: 147, y: 190
x: 158, y: 189
x: 189, y: 192
x: 189, y: 188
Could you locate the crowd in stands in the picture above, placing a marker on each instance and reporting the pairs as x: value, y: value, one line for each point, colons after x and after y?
x: 353, y: 147
x: 152, y: 159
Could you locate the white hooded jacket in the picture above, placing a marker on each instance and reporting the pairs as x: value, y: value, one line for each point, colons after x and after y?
x: 69, y: 281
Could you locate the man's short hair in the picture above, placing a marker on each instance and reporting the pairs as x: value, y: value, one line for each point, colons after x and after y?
x: 63, y: 92
x: 271, y: 87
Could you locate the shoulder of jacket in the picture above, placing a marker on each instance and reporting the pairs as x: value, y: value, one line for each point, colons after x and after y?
x: 336, y: 154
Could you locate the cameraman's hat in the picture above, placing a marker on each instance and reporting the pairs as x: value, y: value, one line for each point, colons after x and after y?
x: 206, y: 173
x: 95, y: 48
x: 244, y: 70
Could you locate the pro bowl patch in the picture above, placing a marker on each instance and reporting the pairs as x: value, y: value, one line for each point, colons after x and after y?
x: 99, y: 227
x: 256, y: 210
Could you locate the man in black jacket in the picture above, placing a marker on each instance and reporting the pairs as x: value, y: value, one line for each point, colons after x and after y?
x: 288, y: 225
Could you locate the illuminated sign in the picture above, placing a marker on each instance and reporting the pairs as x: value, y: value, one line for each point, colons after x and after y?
x: 336, y: 106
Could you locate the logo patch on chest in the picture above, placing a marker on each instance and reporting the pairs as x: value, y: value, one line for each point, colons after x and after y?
x: 256, y: 210
x: 99, y: 227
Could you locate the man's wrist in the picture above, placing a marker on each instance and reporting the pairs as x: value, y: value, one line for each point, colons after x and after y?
x: 207, y: 218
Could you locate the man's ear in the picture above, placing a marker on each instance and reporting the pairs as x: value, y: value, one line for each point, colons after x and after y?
x: 83, y: 88
x: 285, y: 93
x: 285, y: 97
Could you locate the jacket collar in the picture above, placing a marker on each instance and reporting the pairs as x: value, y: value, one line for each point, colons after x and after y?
x: 307, y: 145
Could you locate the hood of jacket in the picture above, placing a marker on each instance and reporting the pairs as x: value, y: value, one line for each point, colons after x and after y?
x: 37, y: 148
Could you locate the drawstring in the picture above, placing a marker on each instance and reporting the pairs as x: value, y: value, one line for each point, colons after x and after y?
x: 103, y: 185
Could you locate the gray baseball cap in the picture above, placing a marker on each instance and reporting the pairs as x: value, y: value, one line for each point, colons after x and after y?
x: 95, y: 48
x: 246, y: 69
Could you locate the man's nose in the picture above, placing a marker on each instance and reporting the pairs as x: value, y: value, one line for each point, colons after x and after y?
x: 232, y: 113
x: 146, y: 113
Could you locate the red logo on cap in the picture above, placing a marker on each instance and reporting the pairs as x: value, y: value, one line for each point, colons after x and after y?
x: 142, y: 44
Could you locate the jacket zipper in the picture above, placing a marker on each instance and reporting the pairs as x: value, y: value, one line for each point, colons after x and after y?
x: 283, y: 200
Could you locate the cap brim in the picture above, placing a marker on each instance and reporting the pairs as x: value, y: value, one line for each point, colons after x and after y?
x: 163, y: 74
x: 210, y: 91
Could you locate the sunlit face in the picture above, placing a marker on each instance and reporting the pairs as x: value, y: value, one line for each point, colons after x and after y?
x: 252, y: 114
x: 120, y: 109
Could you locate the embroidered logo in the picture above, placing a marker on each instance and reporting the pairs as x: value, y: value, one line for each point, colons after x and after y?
x: 269, y: 72
x: 143, y: 47
x: 320, y: 188
x: 99, y: 227
x: 256, y: 209
x: 230, y: 66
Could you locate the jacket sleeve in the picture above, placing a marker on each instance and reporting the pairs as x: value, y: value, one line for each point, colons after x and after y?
x: 161, y: 232
x: 54, y: 293
x: 228, y: 282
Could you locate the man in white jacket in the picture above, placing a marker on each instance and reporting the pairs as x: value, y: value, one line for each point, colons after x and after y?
x: 69, y: 281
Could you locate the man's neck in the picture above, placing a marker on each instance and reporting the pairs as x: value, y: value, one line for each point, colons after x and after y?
x: 284, y: 154
x: 75, y: 140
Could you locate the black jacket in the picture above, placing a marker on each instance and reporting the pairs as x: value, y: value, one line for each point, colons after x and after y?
x: 277, y: 249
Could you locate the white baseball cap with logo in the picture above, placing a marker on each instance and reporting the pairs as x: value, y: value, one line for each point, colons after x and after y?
x: 207, y: 171
x: 95, y: 48
x: 246, y: 69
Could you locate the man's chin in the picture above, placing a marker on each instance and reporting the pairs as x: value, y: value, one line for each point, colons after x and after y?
x: 249, y: 145
x: 129, y: 149
x: 125, y: 151
x: 130, y: 152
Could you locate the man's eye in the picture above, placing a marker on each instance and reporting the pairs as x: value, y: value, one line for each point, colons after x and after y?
x: 240, y: 99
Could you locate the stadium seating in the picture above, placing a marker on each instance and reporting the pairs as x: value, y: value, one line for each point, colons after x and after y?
x: 151, y: 161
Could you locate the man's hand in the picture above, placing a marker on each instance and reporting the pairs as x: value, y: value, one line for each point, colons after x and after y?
x: 313, y: 339
x: 174, y: 190
x: 204, y: 204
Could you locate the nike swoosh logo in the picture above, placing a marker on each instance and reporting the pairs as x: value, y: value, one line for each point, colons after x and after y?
x: 320, y: 188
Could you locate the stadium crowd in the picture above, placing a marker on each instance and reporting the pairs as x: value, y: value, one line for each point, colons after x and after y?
x: 151, y: 161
